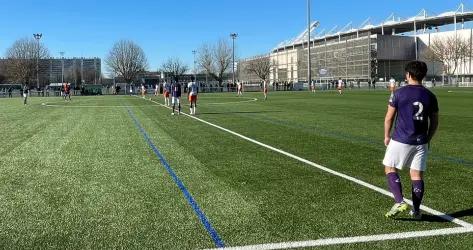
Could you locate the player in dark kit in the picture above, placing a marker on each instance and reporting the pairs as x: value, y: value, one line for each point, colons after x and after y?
x: 416, y: 111
x: 176, y: 97
x: 67, y: 91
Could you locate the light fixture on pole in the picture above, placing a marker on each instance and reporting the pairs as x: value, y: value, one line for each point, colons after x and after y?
x: 233, y: 36
x: 37, y: 37
x: 309, y: 73
x: 62, y: 66
x: 195, y: 71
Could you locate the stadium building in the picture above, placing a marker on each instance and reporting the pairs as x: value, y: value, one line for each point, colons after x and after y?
x: 369, y: 52
x: 76, y: 70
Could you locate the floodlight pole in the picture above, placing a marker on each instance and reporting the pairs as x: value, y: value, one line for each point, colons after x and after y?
x: 195, y: 72
x: 37, y: 37
x: 309, y: 73
x: 233, y: 36
x: 62, y: 66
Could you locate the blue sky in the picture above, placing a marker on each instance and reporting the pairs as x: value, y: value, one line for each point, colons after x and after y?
x: 175, y: 28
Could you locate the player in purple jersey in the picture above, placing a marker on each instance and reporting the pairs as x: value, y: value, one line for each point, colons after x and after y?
x: 176, y: 97
x: 415, y: 109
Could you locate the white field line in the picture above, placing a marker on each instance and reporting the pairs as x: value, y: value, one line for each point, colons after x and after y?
x: 344, y: 176
x: 96, y: 106
x: 356, y: 239
x: 224, y: 103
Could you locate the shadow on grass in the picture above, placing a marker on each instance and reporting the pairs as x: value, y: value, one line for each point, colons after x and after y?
x: 433, y: 218
x: 425, y: 218
x: 238, y: 112
x: 463, y: 213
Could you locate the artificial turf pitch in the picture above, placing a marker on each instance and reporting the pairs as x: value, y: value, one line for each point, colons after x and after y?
x: 83, y: 174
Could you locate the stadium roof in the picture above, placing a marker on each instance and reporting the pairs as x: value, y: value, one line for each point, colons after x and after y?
x: 392, y: 25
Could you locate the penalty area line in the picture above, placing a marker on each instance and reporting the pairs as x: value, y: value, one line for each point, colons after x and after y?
x: 328, y: 170
x: 355, y: 239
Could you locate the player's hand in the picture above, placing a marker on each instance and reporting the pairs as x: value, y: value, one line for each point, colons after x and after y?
x: 386, y: 141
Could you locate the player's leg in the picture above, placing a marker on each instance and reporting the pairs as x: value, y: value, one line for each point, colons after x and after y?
x: 418, y: 167
x: 190, y: 106
x: 417, y: 183
x: 179, y: 105
x: 173, y: 104
x: 394, y: 159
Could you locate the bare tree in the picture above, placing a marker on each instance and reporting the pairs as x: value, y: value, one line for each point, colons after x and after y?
x: 260, y: 66
x: 127, y: 59
x: 175, y: 68
x: 216, y: 60
x: 449, y: 51
x: 21, y: 59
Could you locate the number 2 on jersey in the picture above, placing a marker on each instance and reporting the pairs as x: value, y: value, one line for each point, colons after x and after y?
x: 418, y: 116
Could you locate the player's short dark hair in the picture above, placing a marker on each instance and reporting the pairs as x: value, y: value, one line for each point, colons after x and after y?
x: 417, y: 70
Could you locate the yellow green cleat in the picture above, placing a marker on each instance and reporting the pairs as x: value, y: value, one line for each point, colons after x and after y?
x: 397, y: 209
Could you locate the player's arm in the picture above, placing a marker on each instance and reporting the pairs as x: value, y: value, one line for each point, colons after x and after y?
x: 388, y: 124
x: 433, y: 125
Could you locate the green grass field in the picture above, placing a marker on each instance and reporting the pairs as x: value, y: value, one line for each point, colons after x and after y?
x: 83, y: 174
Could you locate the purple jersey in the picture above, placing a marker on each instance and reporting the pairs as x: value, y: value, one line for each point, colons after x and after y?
x: 176, y: 90
x: 414, y: 105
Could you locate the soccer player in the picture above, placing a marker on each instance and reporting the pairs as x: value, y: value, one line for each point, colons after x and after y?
x: 265, y: 89
x: 392, y: 85
x: 166, y: 93
x: 25, y: 94
x: 67, y: 91
x: 340, y: 86
x: 143, y: 91
x: 156, y: 89
x: 192, y: 91
x: 416, y: 112
x: 239, y: 88
x: 176, y: 97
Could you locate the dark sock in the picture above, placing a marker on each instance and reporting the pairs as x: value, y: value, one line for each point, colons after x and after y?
x: 394, y: 183
x: 179, y: 108
x: 173, y: 107
x: 417, y: 194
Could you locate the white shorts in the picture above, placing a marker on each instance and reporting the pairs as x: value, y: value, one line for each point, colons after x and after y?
x: 176, y: 100
x: 399, y: 155
x: 24, y: 95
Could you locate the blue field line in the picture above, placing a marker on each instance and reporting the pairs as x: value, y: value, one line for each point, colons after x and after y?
x: 203, y: 219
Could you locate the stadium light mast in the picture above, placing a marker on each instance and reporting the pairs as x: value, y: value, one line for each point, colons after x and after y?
x: 309, y: 75
x: 37, y: 37
x: 233, y: 36
x: 195, y: 70
x: 62, y: 66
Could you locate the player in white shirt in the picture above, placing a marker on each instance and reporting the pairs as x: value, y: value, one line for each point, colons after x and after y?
x: 239, y: 88
x: 143, y: 91
x: 340, y: 86
x: 265, y: 89
x: 392, y: 85
x: 192, y: 92
x: 156, y: 89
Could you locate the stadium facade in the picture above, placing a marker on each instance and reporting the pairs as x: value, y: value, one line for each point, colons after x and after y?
x: 369, y: 52
x: 76, y: 70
